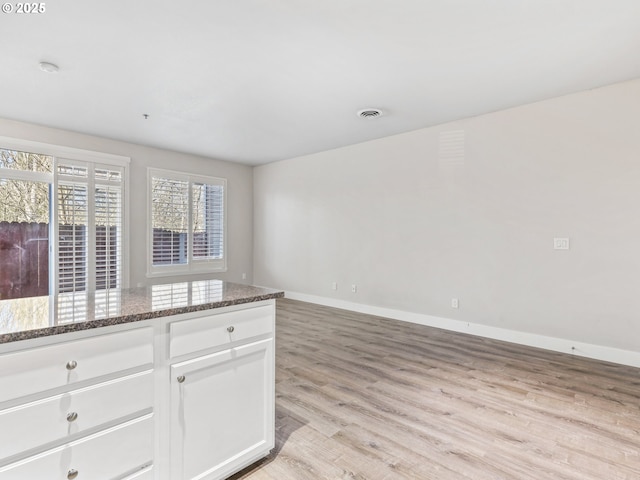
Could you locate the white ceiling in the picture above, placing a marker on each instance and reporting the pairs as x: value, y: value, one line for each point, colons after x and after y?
x: 255, y: 81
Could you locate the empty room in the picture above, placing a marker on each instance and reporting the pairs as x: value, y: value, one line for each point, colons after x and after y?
x: 286, y: 240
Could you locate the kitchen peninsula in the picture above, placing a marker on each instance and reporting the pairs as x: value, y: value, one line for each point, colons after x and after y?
x: 172, y: 381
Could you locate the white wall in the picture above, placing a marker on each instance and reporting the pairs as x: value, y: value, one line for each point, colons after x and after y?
x: 412, y: 233
x: 239, y: 194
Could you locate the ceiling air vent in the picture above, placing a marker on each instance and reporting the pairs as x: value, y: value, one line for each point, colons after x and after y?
x: 370, y: 113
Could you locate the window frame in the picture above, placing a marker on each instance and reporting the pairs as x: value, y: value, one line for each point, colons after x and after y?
x: 192, y: 266
x: 77, y: 156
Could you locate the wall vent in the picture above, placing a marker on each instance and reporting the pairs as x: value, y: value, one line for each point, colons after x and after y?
x: 451, y: 148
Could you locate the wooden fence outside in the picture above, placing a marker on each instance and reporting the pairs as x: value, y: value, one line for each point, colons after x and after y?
x: 24, y: 259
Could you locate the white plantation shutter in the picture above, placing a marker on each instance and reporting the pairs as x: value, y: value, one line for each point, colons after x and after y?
x: 108, y: 228
x: 187, y: 223
x: 72, y: 237
x: 89, y: 226
x: 207, y: 221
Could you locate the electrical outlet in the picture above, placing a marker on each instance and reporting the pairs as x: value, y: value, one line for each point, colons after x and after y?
x: 334, y: 286
x: 455, y: 303
x: 354, y: 288
x: 244, y: 276
x: 561, y: 244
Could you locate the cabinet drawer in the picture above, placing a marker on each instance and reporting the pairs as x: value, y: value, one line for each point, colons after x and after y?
x: 189, y: 336
x: 43, y: 368
x: 113, y: 453
x: 53, y: 418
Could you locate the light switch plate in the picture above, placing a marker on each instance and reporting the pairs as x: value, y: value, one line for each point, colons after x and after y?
x: 560, y: 243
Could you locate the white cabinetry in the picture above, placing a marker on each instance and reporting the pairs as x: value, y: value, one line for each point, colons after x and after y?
x: 78, y: 409
x: 222, y: 403
x: 179, y: 397
x: 222, y: 411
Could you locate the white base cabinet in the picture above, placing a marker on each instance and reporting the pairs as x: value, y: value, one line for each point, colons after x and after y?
x: 77, y: 406
x: 222, y: 411
x: 180, y: 397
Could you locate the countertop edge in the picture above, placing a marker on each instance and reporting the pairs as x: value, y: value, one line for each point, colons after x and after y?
x: 132, y: 318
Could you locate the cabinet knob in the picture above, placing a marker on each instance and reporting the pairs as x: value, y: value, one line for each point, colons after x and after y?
x: 230, y: 329
x: 71, y: 364
x: 71, y: 474
x: 181, y: 379
x: 72, y: 417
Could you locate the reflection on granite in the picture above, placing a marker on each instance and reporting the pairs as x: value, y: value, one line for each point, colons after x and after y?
x: 26, y: 318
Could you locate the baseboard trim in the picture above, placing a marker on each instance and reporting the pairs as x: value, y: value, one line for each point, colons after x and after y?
x: 597, y: 352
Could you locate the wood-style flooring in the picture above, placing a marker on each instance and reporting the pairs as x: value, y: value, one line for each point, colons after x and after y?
x: 363, y: 397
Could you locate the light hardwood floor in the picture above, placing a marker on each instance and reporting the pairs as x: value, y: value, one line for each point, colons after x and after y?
x: 363, y: 397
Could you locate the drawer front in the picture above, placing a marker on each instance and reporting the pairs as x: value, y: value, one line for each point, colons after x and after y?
x: 54, y: 418
x: 189, y: 336
x: 42, y: 368
x: 113, y: 453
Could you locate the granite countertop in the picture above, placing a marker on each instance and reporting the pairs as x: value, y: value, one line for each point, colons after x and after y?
x: 26, y: 318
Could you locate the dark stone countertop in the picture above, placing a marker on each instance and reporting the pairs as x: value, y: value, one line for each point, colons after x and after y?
x: 27, y: 318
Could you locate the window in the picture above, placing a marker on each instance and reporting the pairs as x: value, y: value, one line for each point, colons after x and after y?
x: 187, y: 231
x: 62, y: 220
x: 25, y: 186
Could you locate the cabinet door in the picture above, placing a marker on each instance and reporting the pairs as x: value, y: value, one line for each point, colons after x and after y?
x: 222, y: 411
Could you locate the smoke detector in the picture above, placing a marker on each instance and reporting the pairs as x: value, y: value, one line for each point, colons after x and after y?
x: 370, y: 113
x: 48, y: 67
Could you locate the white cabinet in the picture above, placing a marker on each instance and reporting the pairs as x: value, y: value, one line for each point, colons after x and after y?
x: 178, y: 397
x: 222, y: 411
x: 78, y: 407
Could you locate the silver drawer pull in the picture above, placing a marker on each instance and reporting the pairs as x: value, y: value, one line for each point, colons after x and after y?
x: 71, y: 364
x: 72, y: 417
x: 71, y: 474
x: 230, y: 329
x: 181, y: 379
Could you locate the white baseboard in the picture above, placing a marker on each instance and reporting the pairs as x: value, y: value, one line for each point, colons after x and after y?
x: 598, y: 352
